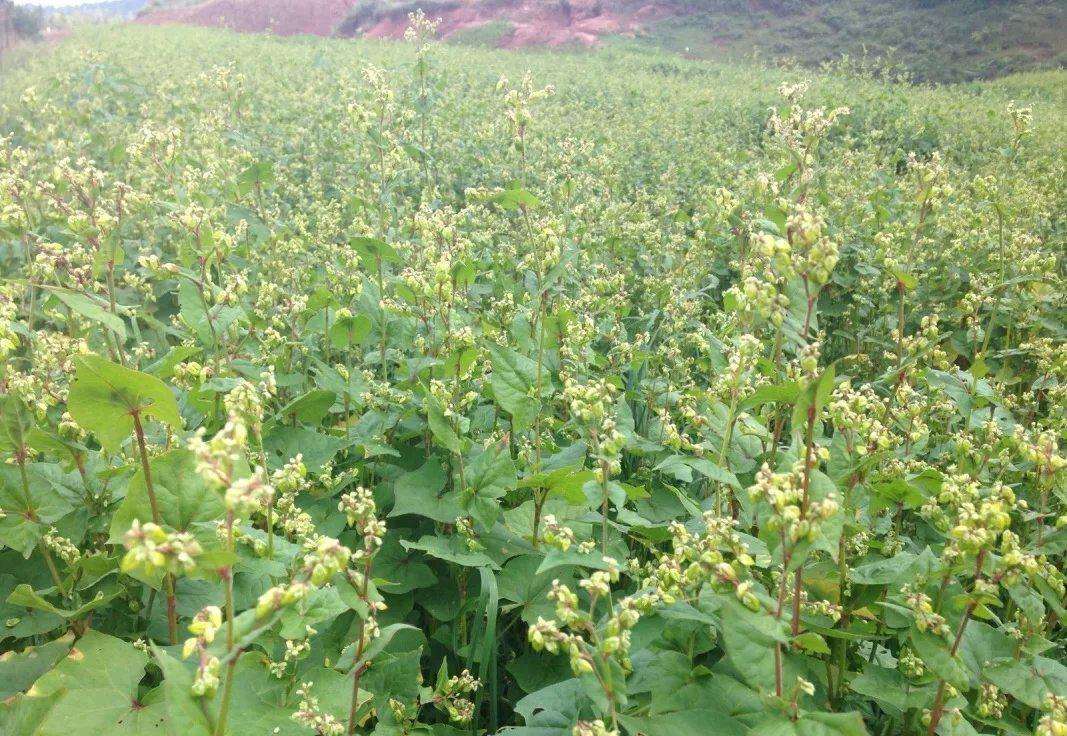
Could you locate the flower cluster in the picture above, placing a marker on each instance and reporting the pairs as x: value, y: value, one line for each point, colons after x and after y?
x: 204, y: 627
x: 452, y: 696
x: 150, y: 548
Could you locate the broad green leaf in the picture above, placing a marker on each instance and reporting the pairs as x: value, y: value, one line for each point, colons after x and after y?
x: 284, y: 443
x: 520, y: 584
x: 749, y: 638
x: 935, y: 653
x: 396, y: 676
x: 376, y: 645
x: 887, y: 687
x: 398, y: 570
x: 778, y: 393
x: 184, y: 716
x: 262, y: 704
x: 105, y: 397
x: 566, y: 482
x: 514, y: 383
x: 316, y: 610
x: 310, y: 407
x: 516, y: 198
x: 98, y: 680
x: 24, y: 714
x: 809, y: 641
x: 373, y: 248
x: 489, y: 475
x: 899, y: 568
x: 686, y: 723
x: 439, y: 425
x: 451, y: 549
x: 350, y: 331
x: 1031, y: 681
x: 573, y: 558
x: 182, y: 496
x: 90, y: 309
x: 812, y: 724
x: 419, y: 493
x: 20, y: 669
x: 29, y: 511
x: 25, y: 596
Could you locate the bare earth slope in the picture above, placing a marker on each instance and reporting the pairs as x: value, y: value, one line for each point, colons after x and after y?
x: 528, y: 22
x: 937, y: 40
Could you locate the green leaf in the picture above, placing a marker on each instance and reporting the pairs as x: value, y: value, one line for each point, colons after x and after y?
x: 685, y: 723
x: 350, y: 331
x: 418, y: 493
x: 450, y: 549
x: 710, y: 470
x: 98, y: 684
x: 398, y: 570
x: 26, y: 517
x: 514, y: 383
x: 396, y: 676
x: 573, y: 558
x: 887, y: 687
x: 1029, y: 682
x: 809, y: 641
x: 812, y: 724
x: 372, y: 248
x: 23, y: 714
x: 934, y: 652
x: 182, y: 496
x: 184, y: 717
x: 262, y: 703
x: 15, y: 423
x: 284, y: 443
x: 490, y: 475
x: 785, y: 393
x: 899, y: 568
x: 321, y: 605
x: 749, y: 638
x: 515, y: 198
x: 533, y: 670
x: 566, y: 483
x: 105, y: 397
x: 90, y: 309
x: 310, y: 407
x: 676, y: 467
x: 442, y: 430
x: 522, y: 584
x: 19, y: 670
x: 25, y: 596
x: 377, y: 645
x: 905, y: 279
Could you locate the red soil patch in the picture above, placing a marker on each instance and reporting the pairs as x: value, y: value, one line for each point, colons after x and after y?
x: 533, y: 22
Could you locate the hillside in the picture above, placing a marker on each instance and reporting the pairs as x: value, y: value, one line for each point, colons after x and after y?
x: 936, y: 40
x: 103, y: 9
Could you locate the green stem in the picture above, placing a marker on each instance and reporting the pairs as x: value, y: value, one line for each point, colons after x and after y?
x: 353, y: 708
x: 227, y: 693
x: 172, y: 608
x: 227, y: 689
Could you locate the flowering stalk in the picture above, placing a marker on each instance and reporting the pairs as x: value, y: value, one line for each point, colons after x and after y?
x: 168, y: 581
x: 361, y: 513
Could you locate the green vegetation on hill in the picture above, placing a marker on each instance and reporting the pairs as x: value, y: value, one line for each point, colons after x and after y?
x: 936, y: 40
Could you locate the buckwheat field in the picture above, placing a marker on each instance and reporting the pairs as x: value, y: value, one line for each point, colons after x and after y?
x: 357, y: 387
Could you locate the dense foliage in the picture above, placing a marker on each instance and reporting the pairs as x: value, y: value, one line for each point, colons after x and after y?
x: 936, y: 40
x: 394, y: 389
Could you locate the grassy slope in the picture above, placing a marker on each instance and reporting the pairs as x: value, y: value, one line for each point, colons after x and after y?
x: 937, y: 40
